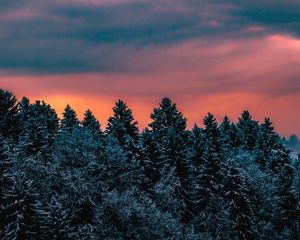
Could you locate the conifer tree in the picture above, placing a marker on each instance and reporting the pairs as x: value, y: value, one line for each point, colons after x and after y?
x: 268, y: 144
x: 166, y: 116
x: 151, y: 154
x: 38, y: 129
x: 56, y: 221
x: 4, y: 181
x: 69, y: 120
x: 21, y: 218
x: 90, y: 122
x: 238, y: 204
x: 208, y: 180
x: 248, y: 130
x: 121, y: 171
x: 169, y: 131
x: 124, y: 128
x: 8, y: 114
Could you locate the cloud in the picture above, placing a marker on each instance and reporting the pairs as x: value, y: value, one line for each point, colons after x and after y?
x: 208, y: 54
x: 84, y: 36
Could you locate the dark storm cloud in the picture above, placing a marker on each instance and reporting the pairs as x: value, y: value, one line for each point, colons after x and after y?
x: 100, y: 36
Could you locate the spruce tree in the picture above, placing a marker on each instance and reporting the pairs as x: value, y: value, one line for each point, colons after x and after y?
x: 208, y: 181
x: 5, y: 165
x: 268, y: 144
x: 248, y: 130
x: 228, y: 135
x: 151, y: 153
x: 21, y: 218
x: 38, y: 129
x: 8, y: 114
x: 69, y: 120
x: 120, y: 170
x: 90, y: 122
x: 239, y: 205
x: 169, y: 132
x: 166, y: 116
x: 124, y: 128
x: 56, y: 221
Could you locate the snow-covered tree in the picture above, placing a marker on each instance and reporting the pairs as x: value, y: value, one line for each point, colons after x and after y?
x: 90, y: 122
x: 248, y: 130
x: 239, y: 204
x: 69, y: 120
x: 208, y: 182
x: 56, y: 220
x: 133, y: 215
x: 165, y: 116
x: 124, y: 128
x: 21, y: 217
x: 8, y: 114
x: 38, y: 129
x: 120, y: 171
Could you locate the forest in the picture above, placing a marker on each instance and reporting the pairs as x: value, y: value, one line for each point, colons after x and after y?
x: 71, y: 178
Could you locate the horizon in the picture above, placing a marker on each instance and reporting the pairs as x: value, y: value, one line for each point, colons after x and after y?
x: 221, y: 57
x: 104, y: 119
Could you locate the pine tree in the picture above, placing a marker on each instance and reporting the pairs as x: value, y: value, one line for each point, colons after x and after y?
x: 228, y: 135
x: 166, y: 116
x: 169, y: 131
x: 208, y: 181
x: 124, y: 128
x: 5, y: 165
x: 268, y: 144
x: 57, y: 221
x: 21, y: 220
x: 90, y: 122
x: 151, y: 154
x: 238, y: 204
x: 8, y: 114
x: 69, y: 120
x: 248, y: 129
x: 121, y: 171
x: 38, y: 129
x: 288, y: 204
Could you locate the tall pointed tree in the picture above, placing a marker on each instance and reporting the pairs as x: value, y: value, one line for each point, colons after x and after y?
x: 5, y: 165
x: 239, y: 205
x: 38, y: 129
x: 169, y: 131
x: 90, y: 122
x: 166, y: 116
x: 123, y: 135
x: 8, y: 113
x: 21, y: 221
x: 208, y: 181
x: 248, y: 130
x: 124, y: 128
x: 268, y: 143
x: 69, y: 120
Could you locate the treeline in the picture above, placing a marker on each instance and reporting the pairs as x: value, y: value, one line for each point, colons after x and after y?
x: 71, y: 179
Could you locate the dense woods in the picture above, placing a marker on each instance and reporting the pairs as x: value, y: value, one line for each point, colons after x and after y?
x: 67, y: 178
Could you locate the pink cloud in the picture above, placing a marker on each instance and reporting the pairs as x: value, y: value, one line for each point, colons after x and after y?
x: 222, y: 77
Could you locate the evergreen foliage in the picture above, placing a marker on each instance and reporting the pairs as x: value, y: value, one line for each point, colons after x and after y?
x: 8, y: 114
x: 69, y: 179
x: 69, y: 120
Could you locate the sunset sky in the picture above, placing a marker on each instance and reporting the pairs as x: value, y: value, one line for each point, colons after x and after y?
x: 206, y: 55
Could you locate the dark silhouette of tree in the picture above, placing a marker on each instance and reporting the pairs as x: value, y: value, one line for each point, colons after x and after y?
x: 69, y: 120
x: 124, y: 128
x: 248, y: 130
x: 8, y: 114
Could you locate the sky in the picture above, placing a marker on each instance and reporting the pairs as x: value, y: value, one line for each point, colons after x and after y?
x: 206, y: 55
